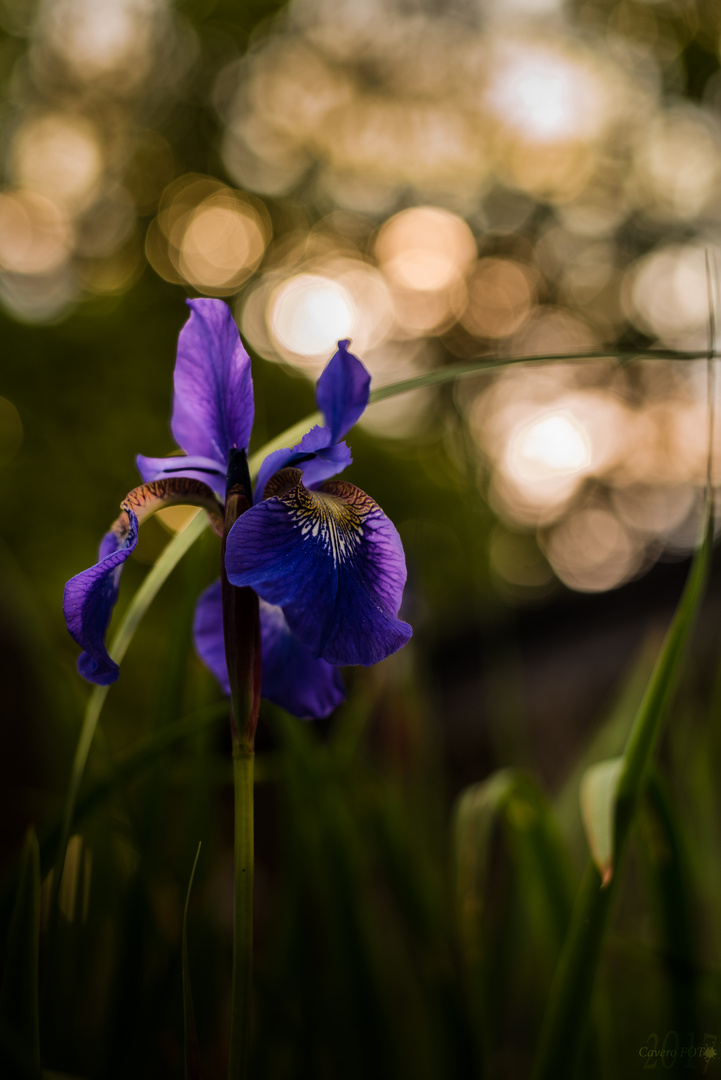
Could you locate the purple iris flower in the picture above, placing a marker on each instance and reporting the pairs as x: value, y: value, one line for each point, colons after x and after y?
x: 327, y: 564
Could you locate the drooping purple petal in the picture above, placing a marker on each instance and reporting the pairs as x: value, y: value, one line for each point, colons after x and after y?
x: 316, y: 455
x: 292, y: 678
x: 213, y: 402
x: 90, y: 597
x: 332, y: 561
x: 208, y: 471
x: 208, y: 633
x: 342, y: 391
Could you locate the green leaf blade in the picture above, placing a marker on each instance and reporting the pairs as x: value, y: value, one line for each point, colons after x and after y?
x: 193, y: 1064
x: 19, y: 1010
x: 599, y: 791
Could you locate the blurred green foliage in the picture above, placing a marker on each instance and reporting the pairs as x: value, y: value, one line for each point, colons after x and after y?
x: 363, y: 963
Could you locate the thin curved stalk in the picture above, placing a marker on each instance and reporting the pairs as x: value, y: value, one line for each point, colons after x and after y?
x: 464, y: 370
x: 156, y: 578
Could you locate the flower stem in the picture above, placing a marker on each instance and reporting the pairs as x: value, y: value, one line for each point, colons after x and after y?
x: 241, y: 630
x: 243, y: 760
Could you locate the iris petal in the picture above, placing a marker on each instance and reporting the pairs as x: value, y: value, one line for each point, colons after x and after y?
x: 316, y: 455
x: 332, y: 561
x: 292, y: 678
x: 90, y: 597
x: 206, y: 470
x: 208, y: 633
x: 342, y: 391
x: 213, y: 403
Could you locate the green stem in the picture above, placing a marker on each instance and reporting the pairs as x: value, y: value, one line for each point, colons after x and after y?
x: 140, y: 603
x: 243, y: 760
x: 570, y: 999
x: 168, y: 560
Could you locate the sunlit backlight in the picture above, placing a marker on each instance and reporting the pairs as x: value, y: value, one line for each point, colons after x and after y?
x: 96, y: 37
x: 665, y: 294
x: 207, y: 234
x: 59, y: 156
x: 425, y: 249
x: 500, y: 296
x: 34, y: 236
x: 175, y: 518
x: 308, y: 314
x: 222, y: 243
x: 555, y: 445
x: 654, y: 510
x: 544, y: 439
x: 591, y: 551
x: 405, y: 416
x: 542, y: 467
x: 544, y: 95
x: 678, y: 164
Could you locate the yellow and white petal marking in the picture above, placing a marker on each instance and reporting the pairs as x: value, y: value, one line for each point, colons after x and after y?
x: 334, y: 516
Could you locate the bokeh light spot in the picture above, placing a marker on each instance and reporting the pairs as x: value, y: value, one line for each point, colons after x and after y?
x: 591, y: 551
x: 500, y: 296
x: 553, y: 445
x: 34, y: 235
x: 222, y: 244
x: 425, y: 248
x: 58, y: 155
x: 308, y: 314
x: 544, y: 95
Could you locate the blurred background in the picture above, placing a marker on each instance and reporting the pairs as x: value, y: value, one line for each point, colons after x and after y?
x: 438, y: 181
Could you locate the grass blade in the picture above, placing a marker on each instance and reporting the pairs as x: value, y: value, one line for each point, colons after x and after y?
x: 512, y: 800
x: 599, y: 792
x: 569, y: 1003
x: 453, y: 372
x: 669, y: 873
x: 609, y: 739
x: 19, y: 998
x: 156, y: 578
x: 193, y: 1064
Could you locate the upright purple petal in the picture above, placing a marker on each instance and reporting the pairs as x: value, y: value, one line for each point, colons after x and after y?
x: 292, y: 678
x: 316, y: 455
x: 206, y: 470
x: 213, y: 403
x: 342, y: 391
x: 332, y: 561
x: 90, y: 597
